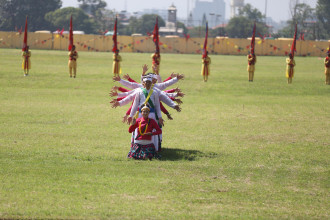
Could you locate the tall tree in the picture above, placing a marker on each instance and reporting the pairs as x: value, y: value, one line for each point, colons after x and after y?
x: 323, y: 15
x: 142, y: 25
x: 251, y: 13
x: 95, y: 8
x: 92, y: 7
x: 304, y: 16
x: 242, y: 25
x: 61, y: 17
x: 13, y: 13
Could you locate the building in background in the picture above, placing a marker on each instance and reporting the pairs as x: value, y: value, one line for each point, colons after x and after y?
x: 171, y: 25
x: 235, y: 5
x: 213, y: 11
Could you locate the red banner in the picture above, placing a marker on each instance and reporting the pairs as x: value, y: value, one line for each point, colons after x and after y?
x: 25, y: 35
x: 114, y: 37
x: 253, y: 38
x: 156, y: 35
x: 70, y: 35
x: 205, y: 41
x: 293, y: 46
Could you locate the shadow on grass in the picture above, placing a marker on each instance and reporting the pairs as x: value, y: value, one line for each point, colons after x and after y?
x: 173, y: 154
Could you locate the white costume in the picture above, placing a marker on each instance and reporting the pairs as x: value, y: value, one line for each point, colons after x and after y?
x: 139, y: 99
x: 160, y: 86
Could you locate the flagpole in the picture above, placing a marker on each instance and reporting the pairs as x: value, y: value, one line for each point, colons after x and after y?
x: 25, y: 34
x: 293, y: 46
x: 70, y: 35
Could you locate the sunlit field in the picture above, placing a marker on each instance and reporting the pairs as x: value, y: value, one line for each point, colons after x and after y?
x: 238, y: 149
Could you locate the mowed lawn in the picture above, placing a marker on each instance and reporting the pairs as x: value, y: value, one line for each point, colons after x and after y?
x: 237, y: 150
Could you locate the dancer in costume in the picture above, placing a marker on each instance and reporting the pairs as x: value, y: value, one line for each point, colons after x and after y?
x: 26, y: 64
x: 252, y: 59
x: 290, y: 68
x: 168, y: 96
x: 147, y: 95
x: 155, y: 62
x: 73, y: 56
x: 165, y: 97
x: 140, y: 94
x: 206, y: 61
x: 116, y: 63
x: 128, y: 96
x: 143, y: 146
x: 327, y: 69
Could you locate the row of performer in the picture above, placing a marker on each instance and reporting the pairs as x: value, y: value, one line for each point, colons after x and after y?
x: 206, y: 61
x: 252, y: 60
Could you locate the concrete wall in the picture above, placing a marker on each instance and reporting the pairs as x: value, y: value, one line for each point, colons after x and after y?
x: 144, y: 44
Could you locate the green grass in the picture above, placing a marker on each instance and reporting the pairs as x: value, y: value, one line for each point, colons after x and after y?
x: 237, y: 149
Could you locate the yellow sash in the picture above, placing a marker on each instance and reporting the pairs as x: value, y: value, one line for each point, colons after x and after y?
x: 145, y: 102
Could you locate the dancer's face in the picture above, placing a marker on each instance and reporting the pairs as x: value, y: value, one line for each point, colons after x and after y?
x: 145, y: 113
x: 148, y: 84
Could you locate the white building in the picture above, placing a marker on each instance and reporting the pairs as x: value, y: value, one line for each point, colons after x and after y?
x: 214, y: 11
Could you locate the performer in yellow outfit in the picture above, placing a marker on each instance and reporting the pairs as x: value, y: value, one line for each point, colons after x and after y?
x: 290, y: 68
x: 116, y: 70
x: 73, y: 56
x: 252, y: 59
x: 155, y: 62
x: 26, y: 65
x: 206, y: 61
x: 327, y: 69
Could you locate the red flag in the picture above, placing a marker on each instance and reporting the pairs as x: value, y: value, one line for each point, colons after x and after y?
x: 156, y: 35
x: 293, y: 46
x: 70, y: 35
x: 25, y: 34
x: 19, y: 30
x: 253, y: 38
x: 187, y: 36
x: 205, y: 41
x: 114, y: 37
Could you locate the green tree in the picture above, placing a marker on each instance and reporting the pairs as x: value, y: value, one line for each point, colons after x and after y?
x: 61, y: 18
x: 242, y: 25
x: 134, y: 26
x: 108, y: 20
x: 92, y: 7
x: 197, y: 31
x: 14, y: 12
x: 305, y: 18
x: 200, y: 32
x: 251, y: 13
x: 323, y: 16
x: 181, y: 25
x: 142, y: 25
x: 96, y: 8
x: 239, y: 27
x: 284, y: 32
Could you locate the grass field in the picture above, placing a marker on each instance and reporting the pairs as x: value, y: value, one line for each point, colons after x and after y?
x: 237, y: 149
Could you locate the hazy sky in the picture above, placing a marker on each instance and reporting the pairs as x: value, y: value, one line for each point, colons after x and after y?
x: 277, y: 9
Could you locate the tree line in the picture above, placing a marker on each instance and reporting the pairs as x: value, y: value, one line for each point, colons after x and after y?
x: 93, y: 17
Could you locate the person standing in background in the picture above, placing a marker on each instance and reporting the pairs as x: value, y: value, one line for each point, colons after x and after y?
x: 327, y: 69
x: 73, y: 56
x: 252, y: 59
x: 290, y: 63
x: 26, y: 65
